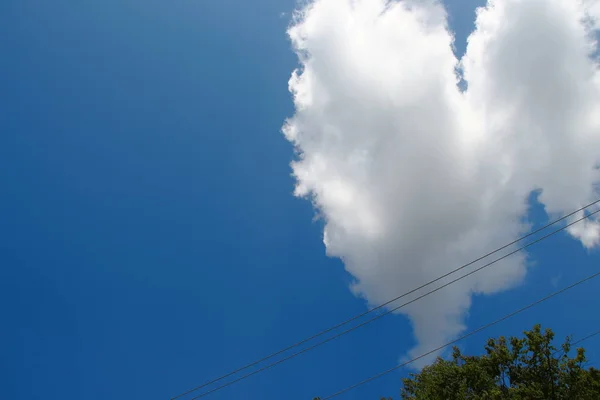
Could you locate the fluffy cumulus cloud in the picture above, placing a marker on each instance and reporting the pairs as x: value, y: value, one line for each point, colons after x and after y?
x: 415, y: 173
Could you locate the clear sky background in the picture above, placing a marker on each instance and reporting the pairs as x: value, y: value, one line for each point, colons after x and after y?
x: 149, y: 238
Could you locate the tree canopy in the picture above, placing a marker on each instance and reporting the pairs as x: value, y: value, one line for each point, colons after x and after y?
x: 530, y: 368
x: 526, y: 368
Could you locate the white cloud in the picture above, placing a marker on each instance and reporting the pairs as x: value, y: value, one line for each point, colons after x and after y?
x: 414, y: 177
x: 556, y: 280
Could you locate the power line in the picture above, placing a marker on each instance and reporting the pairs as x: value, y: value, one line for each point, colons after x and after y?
x: 293, y: 355
x: 585, y: 338
x: 252, y: 364
x: 462, y: 337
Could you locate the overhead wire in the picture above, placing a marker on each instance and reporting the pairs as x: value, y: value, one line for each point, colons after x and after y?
x: 471, y: 333
x: 585, y: 338
x: 318, y: 344
x: 339, y: 325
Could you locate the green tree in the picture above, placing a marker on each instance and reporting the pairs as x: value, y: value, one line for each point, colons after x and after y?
x: 527, y: 368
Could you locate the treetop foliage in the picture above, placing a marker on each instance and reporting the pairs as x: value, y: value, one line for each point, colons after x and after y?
x: 526, y: 368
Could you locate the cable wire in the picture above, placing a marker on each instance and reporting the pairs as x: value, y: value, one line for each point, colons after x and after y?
x: 585, y: 338
x: 461, y: 338
x: 577, y: 342
x: 318, y: 344
x: 339, y: 325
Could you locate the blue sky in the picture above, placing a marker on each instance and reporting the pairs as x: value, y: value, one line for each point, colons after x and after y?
x: 149, y: 239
